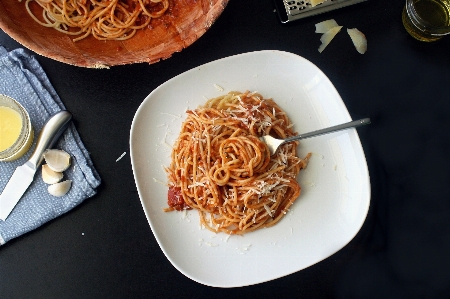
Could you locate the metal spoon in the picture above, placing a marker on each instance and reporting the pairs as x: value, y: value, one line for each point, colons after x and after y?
x: 274, y: 143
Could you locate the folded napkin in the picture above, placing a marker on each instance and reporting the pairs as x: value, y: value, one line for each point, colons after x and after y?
x: 22, y: 78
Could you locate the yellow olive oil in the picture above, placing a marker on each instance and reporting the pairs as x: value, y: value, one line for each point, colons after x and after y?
x: 428, y: 15
x: 10, y: 127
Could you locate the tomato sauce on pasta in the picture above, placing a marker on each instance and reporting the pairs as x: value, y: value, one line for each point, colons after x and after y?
x: 223, y: 170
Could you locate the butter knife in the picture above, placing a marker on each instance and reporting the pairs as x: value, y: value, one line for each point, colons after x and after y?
x: 24, y: 174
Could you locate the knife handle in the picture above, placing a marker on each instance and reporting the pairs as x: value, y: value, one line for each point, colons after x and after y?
x: 49, y: 134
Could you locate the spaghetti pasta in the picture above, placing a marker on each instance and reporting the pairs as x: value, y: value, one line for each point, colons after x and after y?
x: 105, y: 20
x: 221, y: 168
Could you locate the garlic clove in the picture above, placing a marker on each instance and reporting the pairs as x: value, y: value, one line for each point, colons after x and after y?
x: 60, y: 189
x: 49, y: 176
x: 358, y: 39
x: 57, y: 160
x: 328, y: 36
x: 324, y: 26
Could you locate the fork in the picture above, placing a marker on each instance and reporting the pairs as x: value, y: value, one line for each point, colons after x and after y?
x: 273, y: 143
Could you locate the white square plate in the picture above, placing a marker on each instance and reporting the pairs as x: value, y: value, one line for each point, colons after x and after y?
x: 335, y: 193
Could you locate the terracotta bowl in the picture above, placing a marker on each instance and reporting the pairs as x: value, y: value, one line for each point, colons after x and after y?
x: 183, y: 23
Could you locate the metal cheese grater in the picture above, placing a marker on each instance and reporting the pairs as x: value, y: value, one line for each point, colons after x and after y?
x: 291, y: 10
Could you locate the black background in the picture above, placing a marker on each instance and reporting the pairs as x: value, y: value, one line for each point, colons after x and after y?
x: 403, y: 248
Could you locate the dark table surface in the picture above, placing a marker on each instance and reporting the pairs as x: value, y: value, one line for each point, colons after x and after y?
x: 104, y: 248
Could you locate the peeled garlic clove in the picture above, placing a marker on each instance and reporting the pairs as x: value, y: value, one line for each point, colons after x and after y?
x: 358, y: 39
x: 49, y: 176
x: 328, y: 36
x: 60, y: 189
x: 57, y: 160
x: 324, y: 26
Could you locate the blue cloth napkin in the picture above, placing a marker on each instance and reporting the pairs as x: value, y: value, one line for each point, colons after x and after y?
x: 22, y: 78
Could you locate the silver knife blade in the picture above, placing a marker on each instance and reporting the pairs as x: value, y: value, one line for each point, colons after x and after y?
x: 16, y: 187
x: 23, y: 175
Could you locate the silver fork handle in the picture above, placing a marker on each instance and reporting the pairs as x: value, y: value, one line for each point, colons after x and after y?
x: 351, y: 124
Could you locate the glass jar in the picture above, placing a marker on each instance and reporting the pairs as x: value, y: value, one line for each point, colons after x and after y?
x: 16, y: 131
x: 427, y: 20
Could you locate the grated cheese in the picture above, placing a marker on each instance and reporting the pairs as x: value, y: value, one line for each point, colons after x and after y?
x: 158, y: 181
x: 269, y: 211
x: 219, y: 88
x: 121, y: 156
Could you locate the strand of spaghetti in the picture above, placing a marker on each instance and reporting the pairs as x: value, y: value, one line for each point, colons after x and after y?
x: 158, y: 13
x: 109, y: 20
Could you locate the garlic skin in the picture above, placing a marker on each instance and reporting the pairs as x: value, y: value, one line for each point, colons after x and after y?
x: 60, y: 189
x: 328, y: 36
x: 57, y: 160
x: 49, y: 176
x: 358, y: 39
x: 324, y: 26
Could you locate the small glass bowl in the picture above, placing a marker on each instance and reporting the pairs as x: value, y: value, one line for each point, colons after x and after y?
x: 426, y: 21
x: 25, y: 139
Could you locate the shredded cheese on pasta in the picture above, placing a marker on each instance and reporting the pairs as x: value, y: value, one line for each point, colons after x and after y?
x: 223, y: 170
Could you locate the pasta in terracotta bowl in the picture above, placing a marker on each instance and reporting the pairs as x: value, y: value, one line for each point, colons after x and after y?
x: 99, y: 33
